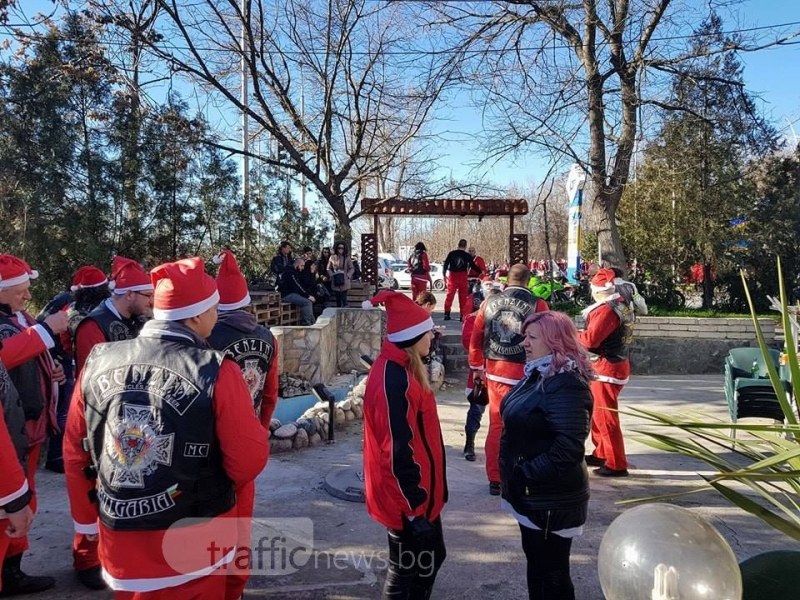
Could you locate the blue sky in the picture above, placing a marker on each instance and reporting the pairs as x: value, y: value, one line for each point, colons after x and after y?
x: 772, y: 74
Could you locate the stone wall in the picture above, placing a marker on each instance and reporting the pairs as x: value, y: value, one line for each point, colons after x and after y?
x: 691, y: 346
x: 332, y: 345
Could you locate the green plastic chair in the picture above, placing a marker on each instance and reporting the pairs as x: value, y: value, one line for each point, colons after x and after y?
x: 749, y: 396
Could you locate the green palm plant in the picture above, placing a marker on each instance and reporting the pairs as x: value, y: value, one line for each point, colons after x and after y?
x: 760, y: 472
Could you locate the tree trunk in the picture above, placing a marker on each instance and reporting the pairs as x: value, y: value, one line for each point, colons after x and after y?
x: 608, y: 239
x: 708, y: 286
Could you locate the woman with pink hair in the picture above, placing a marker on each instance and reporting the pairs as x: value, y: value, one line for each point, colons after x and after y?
x: 545, y: 485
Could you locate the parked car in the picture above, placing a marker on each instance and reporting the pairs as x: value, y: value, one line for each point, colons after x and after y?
x: 404, y: 279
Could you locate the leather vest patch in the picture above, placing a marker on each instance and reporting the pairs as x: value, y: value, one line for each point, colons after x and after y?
x: 253, y: 351
x: 504, y: 315
x: 114, y: 329
x: 150, y: 425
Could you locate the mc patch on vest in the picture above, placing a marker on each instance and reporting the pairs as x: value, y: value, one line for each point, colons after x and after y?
x: 505, y: 315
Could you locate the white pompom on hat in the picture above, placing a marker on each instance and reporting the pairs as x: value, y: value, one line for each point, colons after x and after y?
x: 14, y: 271
x: 405, y: 319
x: 232, y: 286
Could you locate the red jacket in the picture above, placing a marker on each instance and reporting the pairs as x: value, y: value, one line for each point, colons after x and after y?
x: 13, y: 484
x: 481, y: 264
x: 601, y: 322
x: 404, y: 465
x: 31, y: 343
x: 152, y: 560
x: 498, y: 370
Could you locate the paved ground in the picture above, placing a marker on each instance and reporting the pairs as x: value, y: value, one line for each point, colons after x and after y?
x: 484, y: 555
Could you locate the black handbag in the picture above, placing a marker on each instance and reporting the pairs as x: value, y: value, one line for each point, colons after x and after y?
x: 479, y: 394
x: 338, y: 279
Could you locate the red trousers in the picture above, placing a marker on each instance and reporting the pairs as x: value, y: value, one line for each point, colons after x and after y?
x: 457, y: 282
x: 497, y: 392
x: 20, y: 545
x: 606, y: 430
x: 239, y: 568
x: 206, y: 588
x: 418, y: 285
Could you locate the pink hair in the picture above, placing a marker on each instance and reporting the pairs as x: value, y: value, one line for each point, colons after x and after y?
x: 561, y: 336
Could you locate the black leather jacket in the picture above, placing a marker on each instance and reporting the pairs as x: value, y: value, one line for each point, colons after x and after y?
x: 542, y: 464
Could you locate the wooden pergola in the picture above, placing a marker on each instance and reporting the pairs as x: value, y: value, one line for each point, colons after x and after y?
x: 440, y: 207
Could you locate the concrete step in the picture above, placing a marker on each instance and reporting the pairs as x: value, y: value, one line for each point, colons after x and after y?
x: 456, y: 363
x: 448, y: 349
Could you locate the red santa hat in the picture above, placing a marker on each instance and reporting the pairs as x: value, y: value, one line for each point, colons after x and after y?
x: 231, y: 283
x: 603, y: 280
x: 183, y: 290
x: 128, y: 276
x: 88, y: 276
x: 406, y: 321
x: 14, y: 271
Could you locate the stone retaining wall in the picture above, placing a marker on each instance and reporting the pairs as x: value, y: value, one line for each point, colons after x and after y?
x: 332, y: 345
x: 690, y: 345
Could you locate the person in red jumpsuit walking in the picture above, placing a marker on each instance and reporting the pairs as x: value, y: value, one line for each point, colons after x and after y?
x: 171, y: 434
x: 458, y: 264
x: 36, y: 377
x: 496, y: 355
x: 254, y: 348
x: 608, y: 334
x: 420, y: 268
x: 404, y: 460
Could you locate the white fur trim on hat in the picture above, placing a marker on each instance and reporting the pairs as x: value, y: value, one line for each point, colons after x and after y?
x: 411, y: 332
x: 186, y: 312
x: 597, y: 288
x: 240, y: 304
x: 75, y: 288
x: 143, y: 287
x: 7, y: 283
x: 366, y: 304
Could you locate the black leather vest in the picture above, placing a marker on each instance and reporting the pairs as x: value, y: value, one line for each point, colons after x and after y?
x: 74, y: 318
x: 150, y: 430
x: 253, y: 351
x: 14, y: 414
x: 114, y: 329
x: 26, y: 377
x: 615, y: 347
x: 504, y: 315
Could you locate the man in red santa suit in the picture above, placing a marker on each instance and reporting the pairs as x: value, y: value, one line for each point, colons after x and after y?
x: 254, y: 348
x: 110, y: 321
x: 171, y: 434
x: 114, y: 319
x: 608, y: 334
x: 497, y: 357
x: 36, y: 377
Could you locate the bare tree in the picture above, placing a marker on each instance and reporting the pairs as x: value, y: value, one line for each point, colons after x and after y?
x: 572, y: 76
x: 337, y: 84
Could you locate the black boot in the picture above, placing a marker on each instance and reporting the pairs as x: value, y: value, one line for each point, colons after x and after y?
x: 469, y: 447
x: 92, y: 578
x: 16, y: 583
x: 447, y: 316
